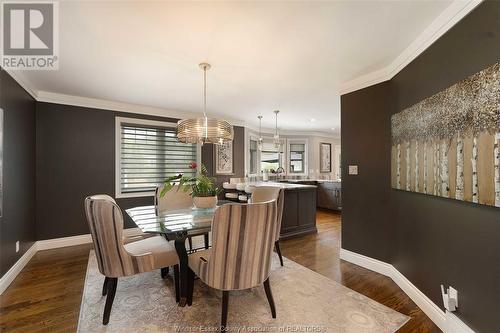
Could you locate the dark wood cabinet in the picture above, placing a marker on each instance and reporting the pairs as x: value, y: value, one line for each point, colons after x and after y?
x: 299, y: 212
x: 330, y: 195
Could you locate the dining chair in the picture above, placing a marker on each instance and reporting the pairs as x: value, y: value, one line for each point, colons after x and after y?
x: 173, y: 200
x: 240, y: 257
x: 126, y: 239
x: 116, y: 259
x: 266, y: 193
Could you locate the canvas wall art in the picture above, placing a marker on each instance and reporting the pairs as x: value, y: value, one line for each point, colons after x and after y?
x: 448, y: 144
x: 325, y: 156
x: 224, y: 158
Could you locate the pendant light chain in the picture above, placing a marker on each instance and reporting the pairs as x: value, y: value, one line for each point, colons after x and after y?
x: 205, y: 100
x: 205, y: 92
x: 276, y: 135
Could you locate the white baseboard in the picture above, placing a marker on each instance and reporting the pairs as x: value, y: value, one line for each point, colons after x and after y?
x: 448, y: 322
x: 11, y: 274
x: 56, y: 243
x: 48, y: 244
x: 455, y: 325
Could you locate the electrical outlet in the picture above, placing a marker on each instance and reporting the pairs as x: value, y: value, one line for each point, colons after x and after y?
x: 17, y: 246
x: 353, y: 170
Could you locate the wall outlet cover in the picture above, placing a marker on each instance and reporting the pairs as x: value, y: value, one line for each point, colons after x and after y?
x: 353, y: 169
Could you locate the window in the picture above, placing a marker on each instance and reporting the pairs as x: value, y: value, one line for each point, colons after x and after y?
x: 254, y: 157
x: 147, y: 153
x: 297, y: 157
x: 271, y: 157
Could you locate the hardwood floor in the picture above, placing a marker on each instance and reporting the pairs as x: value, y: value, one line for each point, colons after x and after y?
x: 320, y: 253
x: 46, y: 295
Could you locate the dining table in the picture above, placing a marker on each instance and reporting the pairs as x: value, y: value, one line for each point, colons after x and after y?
x: 176, y: 225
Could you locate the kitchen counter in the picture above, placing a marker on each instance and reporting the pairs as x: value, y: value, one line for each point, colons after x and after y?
x: 298, y: 181
x: 286, y: 186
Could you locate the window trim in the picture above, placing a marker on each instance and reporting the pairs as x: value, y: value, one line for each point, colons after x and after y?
x: 145, y: 122
x: 253, y: 137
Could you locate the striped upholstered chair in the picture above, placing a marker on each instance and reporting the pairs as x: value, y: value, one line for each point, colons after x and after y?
x: 172, y: 200
x: 240, y: 257
x: 126, y: 239
x: 116, y: 259
x: 266, y: 193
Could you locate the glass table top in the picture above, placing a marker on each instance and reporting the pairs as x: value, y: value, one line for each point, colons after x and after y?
x: 170, y: 222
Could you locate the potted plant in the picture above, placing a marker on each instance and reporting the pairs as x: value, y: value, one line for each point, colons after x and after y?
x: 202, y: 187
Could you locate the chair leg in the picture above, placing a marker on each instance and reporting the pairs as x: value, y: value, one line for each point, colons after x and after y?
x: 270, y: 299
x: 105, y: 286
x: 205, y: 236
x: 176, y: 283
x: 164, y: 272
x: 112, y: 282
x: 190, y: 240
x: 225, y: 301
x: 278, y: 250
x: 190, y: 288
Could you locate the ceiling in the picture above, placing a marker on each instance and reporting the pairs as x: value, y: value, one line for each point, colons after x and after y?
x: 291, y: 56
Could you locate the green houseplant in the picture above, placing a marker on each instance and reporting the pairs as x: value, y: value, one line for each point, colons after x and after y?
x: 201, y: 186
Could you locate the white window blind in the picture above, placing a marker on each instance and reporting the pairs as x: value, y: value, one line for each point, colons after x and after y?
x: 149, y: 154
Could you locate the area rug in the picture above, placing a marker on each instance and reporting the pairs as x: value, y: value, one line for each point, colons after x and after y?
x: 305, y: 302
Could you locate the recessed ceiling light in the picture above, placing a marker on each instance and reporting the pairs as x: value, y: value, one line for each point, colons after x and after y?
x: 312, y: 120
x: 333, y: 128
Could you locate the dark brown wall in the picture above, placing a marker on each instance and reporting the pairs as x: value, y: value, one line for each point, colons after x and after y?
x: 433, y: 240
x: 366, y: 142
x: 75, y: 157
x: 18, y: 220
x: 444, y: 240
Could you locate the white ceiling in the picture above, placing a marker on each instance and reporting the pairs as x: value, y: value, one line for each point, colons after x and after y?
x: 291, y: 56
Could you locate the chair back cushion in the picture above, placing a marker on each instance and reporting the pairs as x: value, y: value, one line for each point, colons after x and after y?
x: 242, y: 243
x: 105, y: 221
x: 267, y: 193
x: 174, y: 199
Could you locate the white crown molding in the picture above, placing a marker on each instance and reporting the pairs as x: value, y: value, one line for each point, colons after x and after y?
x: 457, y: 10
x: 447, y: 322
x: 267, y: 132
x: 95, y: 103
x: 447, y: 19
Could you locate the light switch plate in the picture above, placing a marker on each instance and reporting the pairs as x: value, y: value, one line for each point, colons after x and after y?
x: 17, y: 246
x: 353, y: 169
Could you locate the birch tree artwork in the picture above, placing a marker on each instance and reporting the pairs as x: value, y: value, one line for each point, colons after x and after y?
x: 425, y: 167
x: 459, y: 191
x: 408, y: 163
x: 455, y: 135
x: 398, y: 163
x: 416, y: 168
x: 496, y: 154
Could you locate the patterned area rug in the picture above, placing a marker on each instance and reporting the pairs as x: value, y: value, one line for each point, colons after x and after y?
x: 305, y: 302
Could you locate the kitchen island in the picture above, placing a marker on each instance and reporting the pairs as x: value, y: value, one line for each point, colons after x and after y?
x: 329, y: 192
x: 299, y: 208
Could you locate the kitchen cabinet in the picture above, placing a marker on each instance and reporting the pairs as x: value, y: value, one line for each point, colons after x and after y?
x: 330, y: 195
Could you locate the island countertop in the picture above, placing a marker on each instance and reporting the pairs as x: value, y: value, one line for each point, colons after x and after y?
x: 286, y: 186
